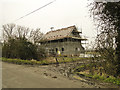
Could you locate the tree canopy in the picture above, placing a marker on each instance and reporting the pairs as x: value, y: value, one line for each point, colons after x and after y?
x: 21, y: 42
x: 107, y: 18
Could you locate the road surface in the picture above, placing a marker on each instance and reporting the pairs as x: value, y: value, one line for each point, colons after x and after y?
x: 22, y: 76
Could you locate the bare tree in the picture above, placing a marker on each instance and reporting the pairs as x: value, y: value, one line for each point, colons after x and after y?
x: 22, y: 32
x: 36, y: 35
x: 16, y: 31
x: 8, y: 30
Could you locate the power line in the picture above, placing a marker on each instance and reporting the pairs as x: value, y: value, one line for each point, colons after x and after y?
x: 36, y: 10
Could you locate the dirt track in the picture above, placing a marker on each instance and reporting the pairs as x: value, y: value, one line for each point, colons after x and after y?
x: 21, y: 76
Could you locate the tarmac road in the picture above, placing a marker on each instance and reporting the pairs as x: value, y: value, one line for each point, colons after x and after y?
x: 22, y: 76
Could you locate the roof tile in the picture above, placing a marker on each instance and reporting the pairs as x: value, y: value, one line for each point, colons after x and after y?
x: 60, y: 33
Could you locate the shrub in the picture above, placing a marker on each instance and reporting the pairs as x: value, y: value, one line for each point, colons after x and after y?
x: 23, y: 49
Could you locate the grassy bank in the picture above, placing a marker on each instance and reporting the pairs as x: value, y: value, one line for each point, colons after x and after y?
x: 85, y: 71
x: 47, y: 61
x: 105, y: 78
x: 27, y: 62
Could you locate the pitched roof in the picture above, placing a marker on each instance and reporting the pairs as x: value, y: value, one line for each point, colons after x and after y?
x: 59, y: 34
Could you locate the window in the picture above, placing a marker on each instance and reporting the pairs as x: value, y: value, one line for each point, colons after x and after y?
x: 62, y: 49
x: 76, y: 49
x: 56, y: 49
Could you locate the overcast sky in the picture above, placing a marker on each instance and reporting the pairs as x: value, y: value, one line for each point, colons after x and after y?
x: 60, y: 14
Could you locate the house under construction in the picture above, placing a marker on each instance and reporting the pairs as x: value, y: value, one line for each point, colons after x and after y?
x: 66, y: 40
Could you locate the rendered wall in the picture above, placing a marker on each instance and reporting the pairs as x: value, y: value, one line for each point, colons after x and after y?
x: 70, y: 48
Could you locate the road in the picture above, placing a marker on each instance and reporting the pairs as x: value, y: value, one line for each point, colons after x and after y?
x: 22, y: 76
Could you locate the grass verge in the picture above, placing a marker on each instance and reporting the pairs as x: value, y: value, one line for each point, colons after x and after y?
x: 27, y: 62
x: 42, y: 62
